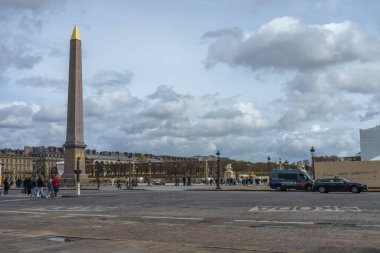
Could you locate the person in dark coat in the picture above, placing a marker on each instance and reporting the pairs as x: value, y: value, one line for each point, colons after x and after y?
x: 118, y: 183
x: 40, y: 187
x: 188, y: 181
x: 25, y: 186
x: 184, y: 181
x: 33, y: 187
x: 6, y: 186
x: 29, y: 185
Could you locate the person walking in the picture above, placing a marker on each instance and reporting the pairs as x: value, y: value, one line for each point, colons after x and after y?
x: 184, y: 181
x: 118, y: 183
x: 6, y: 186
x: 189, y: 181
x: 33, y: 188
x: 40, y: 187
x: 50, y: 193
x: 25, y: 186
x: 127, y: 183
x: 29, y: 186
x: 55, y: 185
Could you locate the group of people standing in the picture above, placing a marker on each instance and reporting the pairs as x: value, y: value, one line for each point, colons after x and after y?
x: 118, y: 183
x: 186, y: 181
x: 35, y: 187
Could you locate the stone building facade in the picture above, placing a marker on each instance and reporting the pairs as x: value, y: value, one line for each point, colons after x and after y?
x: 29, y: 162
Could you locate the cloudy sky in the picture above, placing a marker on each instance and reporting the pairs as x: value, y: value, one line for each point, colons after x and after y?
x: 180, y: 77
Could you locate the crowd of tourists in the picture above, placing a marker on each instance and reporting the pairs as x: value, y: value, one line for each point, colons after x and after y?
x: 35, y: 187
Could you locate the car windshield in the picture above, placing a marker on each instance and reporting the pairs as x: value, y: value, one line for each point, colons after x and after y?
x: 308, y: 176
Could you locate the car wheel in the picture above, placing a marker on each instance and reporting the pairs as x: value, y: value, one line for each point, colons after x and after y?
x: 278, y: 188
x: 355, y: 189
x: 322, y: 189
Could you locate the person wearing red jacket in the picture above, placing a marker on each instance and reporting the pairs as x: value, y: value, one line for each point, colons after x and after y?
x: 55, y: 184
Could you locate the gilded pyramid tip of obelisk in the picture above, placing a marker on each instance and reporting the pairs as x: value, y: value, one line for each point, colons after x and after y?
x: 75, y: 35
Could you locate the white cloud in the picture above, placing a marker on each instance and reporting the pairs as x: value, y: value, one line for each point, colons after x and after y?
x: 43, y: 82
x: 286, y: 43
x: 317, y: 128
x: 107, y: 102
x: 15, y: 115
x: 107, y: 79
x: 355, y: 77
x: 327, y: 142
x: 50, y: 113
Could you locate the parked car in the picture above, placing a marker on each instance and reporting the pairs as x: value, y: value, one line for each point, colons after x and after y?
x: 338, y: 184
x: 281, y: 180
x: 159, y: 181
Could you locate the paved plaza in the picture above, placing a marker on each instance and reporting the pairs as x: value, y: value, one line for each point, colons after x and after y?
x: 174, y: 219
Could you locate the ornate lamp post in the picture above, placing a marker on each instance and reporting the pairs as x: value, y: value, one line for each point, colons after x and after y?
x: 176, y: 183
x: 150, y: 173
x: 129, y: 186
x: 218, y: 171
x: 136, y: 174
x: 280, y: 164
x: 206, y: 169
x: 312, y: 151
x: 78, y: 171
x: 268, y: 162
x: 1, y: 173
x: 97, y: 165
x: 13, y: 172
x: 118, y: 165
x: 286, y: 164
x: 34, y: 167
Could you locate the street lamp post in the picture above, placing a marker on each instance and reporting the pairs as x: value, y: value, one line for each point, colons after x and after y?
x: 136, y: 174
x: 78, y: 171
x: 34, y: 167
x: 129, y: 186
x: 150, y: 173
x: 175, y: 175
x: 286, y: 164
x: 268, y: 162
x: 97, y: 165
x: 280, y: 164
x: 312, y: 151
x: 1, y: 173
x: 218, y: 172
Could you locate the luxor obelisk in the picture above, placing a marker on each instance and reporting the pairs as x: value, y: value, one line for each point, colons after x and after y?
x: 74, y: 145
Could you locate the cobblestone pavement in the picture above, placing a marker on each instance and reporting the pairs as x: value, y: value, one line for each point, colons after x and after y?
x: 175, y: 220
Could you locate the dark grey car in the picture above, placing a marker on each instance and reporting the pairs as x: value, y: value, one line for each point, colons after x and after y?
x: 338, y: 184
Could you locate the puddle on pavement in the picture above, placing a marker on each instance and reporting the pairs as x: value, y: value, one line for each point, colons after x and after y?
x: 60, y: 239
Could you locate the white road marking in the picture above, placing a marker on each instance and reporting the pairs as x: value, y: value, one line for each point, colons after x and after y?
x: 71, y: 209
x: 376, y: 226
x: 24, y: 212
x: 89, y: 215
x: 305, y: 209
x: 13, y: 200
x: 278, y: 222
x: 171, y: 218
